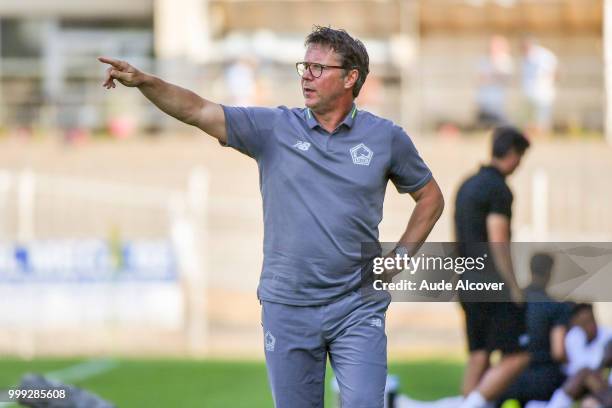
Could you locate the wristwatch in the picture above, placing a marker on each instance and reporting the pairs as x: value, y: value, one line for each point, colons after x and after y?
x: 401, y: 250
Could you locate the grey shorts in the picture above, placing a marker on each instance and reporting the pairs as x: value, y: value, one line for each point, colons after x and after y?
x: 298, y: 339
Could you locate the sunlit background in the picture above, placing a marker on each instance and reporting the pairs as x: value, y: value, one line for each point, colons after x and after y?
x: 125, y: 232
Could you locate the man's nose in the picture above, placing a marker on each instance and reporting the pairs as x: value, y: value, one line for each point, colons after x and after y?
x: 307, y: 75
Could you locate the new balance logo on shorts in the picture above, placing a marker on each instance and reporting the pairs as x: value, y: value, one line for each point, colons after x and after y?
x: 375, y: 322
x: 269, y: 341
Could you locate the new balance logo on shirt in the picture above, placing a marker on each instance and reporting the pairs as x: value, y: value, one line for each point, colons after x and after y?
x: 304, y: 146
x: 360, y: 154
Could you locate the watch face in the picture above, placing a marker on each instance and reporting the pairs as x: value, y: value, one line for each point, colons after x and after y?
x: 401, y: 250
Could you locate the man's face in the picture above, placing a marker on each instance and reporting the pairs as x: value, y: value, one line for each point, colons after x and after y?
x: 320, y: 94
x: 515, y: 160
x: 511, y: 161
x: 542, y: 279
x: 586, y: 321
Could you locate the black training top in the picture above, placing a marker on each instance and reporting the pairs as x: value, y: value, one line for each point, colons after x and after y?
x: 484, y: 193
x: 543, y: 313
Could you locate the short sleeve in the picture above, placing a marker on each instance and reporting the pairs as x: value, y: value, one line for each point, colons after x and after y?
x: 408, y: 171
x: 500, y: 200
x: 562, y: 315
x: 249, y: 129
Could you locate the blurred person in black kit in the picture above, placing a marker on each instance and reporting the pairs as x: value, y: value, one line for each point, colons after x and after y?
x: 483, y: 213
x: 587, y: 385
x: 547, y: 325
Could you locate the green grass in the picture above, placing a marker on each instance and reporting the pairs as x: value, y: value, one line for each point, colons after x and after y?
x: 210, y: 383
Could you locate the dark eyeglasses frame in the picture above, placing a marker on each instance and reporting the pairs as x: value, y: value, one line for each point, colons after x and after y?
x: 307, y: 66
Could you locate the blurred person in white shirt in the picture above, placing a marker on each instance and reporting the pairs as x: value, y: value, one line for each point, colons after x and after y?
x: 495, y: 71
x: 539, y: 76
x: 589, y: 352
x: 586, y: 341
x: 241, y: 82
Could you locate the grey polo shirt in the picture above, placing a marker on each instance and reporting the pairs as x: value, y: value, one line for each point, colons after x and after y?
x: 322, y: 194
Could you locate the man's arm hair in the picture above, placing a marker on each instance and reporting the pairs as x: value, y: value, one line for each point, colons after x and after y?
x: 177, y: 102
x: 186, y: 106
x: 429, y: 206
x: 498, y: 231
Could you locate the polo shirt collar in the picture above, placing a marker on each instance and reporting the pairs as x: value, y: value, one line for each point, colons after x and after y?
x: 349, y: 120
x: 493, y: 170
x: 310, y: 119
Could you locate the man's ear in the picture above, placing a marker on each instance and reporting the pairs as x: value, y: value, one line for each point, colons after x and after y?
x: 351, y: 78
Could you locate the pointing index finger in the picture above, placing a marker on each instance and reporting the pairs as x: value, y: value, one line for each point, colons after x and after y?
x: 115, y: 63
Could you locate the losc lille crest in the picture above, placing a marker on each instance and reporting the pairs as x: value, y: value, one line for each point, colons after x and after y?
x: 361, y: 154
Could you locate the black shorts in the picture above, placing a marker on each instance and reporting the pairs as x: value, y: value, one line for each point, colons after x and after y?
x: 494, y: 326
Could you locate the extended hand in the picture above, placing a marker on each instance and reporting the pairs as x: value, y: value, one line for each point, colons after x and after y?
x: 123, y: 72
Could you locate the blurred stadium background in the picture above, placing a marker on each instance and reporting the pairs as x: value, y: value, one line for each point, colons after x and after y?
x: 127, y: 234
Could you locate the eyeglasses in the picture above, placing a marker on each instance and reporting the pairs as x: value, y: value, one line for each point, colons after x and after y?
x: 316, y: 70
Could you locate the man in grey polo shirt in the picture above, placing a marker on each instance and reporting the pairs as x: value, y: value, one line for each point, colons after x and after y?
x: 323, y: 174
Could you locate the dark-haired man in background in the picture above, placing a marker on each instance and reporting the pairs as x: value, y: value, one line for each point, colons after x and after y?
x: 589, y: 355
x: 547, y: 325
x: 483, y: 211
x: 323, y: 173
